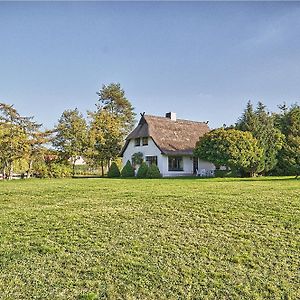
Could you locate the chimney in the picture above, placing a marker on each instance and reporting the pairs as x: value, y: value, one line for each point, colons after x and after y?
x: 171, y: 116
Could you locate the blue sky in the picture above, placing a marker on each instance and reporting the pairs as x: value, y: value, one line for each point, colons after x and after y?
x: 202, y: 60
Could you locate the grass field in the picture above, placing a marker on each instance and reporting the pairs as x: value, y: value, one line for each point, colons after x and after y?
x: 150, y: 239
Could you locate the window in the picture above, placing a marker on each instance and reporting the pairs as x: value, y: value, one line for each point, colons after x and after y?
x: 175, y: 163
x: 137, y: 142
x: 145, y: 141
x: 151, y: 160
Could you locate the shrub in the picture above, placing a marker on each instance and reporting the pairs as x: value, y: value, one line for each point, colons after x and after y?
x: 142, y: 171
x: 153, y: 172
x: 128, y: 170
x: 40, y: 170
x: 59, y: 170
x: 137, y: 158
x: 113, y: 171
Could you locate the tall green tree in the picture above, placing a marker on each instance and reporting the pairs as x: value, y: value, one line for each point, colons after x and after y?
x: 288, y: 121
x: 233, y: 148
x: 71, y: 136
x: 110, y: 124
x: 105, y: 138
x: 262, y: 126
x: 15, y: 133
x: 37, y: 148
x: 113, y: 100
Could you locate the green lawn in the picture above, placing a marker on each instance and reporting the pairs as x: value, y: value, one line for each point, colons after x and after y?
x: 150, y: 239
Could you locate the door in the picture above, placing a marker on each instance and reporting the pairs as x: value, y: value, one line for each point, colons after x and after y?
x: 195, y: 164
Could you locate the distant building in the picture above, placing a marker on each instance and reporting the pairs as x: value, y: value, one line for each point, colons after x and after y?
x: 79, y: 161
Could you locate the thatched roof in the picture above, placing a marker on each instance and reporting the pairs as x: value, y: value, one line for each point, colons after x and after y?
x: 171, y: 137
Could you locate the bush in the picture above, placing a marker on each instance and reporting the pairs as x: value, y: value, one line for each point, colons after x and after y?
x: 142, y: 171
x: 113, y: 171
x: 40, y: 170
x: 128, y: 170
x: 59, y: 170
x: 153, y: 172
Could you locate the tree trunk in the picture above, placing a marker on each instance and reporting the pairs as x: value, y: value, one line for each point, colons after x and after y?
x: 73, y: 167
x: 10, y: 171
x: 102, y: 169
x: 29, y: 169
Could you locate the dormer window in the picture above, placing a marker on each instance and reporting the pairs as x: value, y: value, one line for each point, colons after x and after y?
x: 145, y: 141
x: 137, y: 142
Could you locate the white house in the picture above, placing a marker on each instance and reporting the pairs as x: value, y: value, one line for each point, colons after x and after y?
x: 169, y: 143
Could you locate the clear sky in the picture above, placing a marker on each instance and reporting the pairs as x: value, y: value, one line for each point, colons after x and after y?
x: 201, y: 60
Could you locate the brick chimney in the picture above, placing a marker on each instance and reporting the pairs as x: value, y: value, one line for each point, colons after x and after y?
x: 171, y: 116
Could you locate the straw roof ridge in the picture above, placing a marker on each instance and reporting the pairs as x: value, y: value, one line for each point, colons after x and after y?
x: 177, y: 120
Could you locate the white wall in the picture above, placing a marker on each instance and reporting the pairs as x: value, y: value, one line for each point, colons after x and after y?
x: 162, y: 160
x: 149, y: 150
x: 187, y: 167
x: 202, y: 164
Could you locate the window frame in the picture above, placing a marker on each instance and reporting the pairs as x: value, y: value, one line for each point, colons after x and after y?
x: 152, y: 160
x: 145, y: 138
x: 178, y: 168
x: 137, y: 142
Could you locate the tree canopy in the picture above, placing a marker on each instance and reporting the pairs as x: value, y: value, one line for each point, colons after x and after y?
x: 262, y: 126
x: 71, y: 135
x: 232, y: 148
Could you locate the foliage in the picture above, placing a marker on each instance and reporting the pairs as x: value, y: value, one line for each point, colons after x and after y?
x: 53, y: 169
x: 232, y: 148
x: 168, y: 239
x: 113, y: 171
x: 137, y: 158
x: 37, y: 149
x: 128, y: 170
x: 105, y: 137
x: 262, y: 126
x: 59, y: 170
x: 289, y: 157
x: 110, y: 123
x: 153, y: 171
x: 112, y: 99
x: 143, y: 170
x: 71, y: 136
x: 15, y: 134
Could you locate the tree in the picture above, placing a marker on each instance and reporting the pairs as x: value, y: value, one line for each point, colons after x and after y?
x: 153, y: 172
x: 288, y: 121
x: 105, y: 137
x: 232, y: 148
x: 37, y: 148
x: 113, y: 171
x: 142, y: 171
x: 262, y: 126
x: 137, y: 159
x: 15, y: 132
x: 71, y: 136
x: 112, y: 99
x: 110, y: 123
x: 128, y: 170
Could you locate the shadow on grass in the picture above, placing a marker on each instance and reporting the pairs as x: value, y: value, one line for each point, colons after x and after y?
x: 224, y: 179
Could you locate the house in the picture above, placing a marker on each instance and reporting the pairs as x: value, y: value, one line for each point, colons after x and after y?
x: 167, y: 142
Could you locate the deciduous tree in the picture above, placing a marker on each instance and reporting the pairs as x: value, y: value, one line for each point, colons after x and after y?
x: 15, y: 133
x: 232, y: 148
x: 71, y: 136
